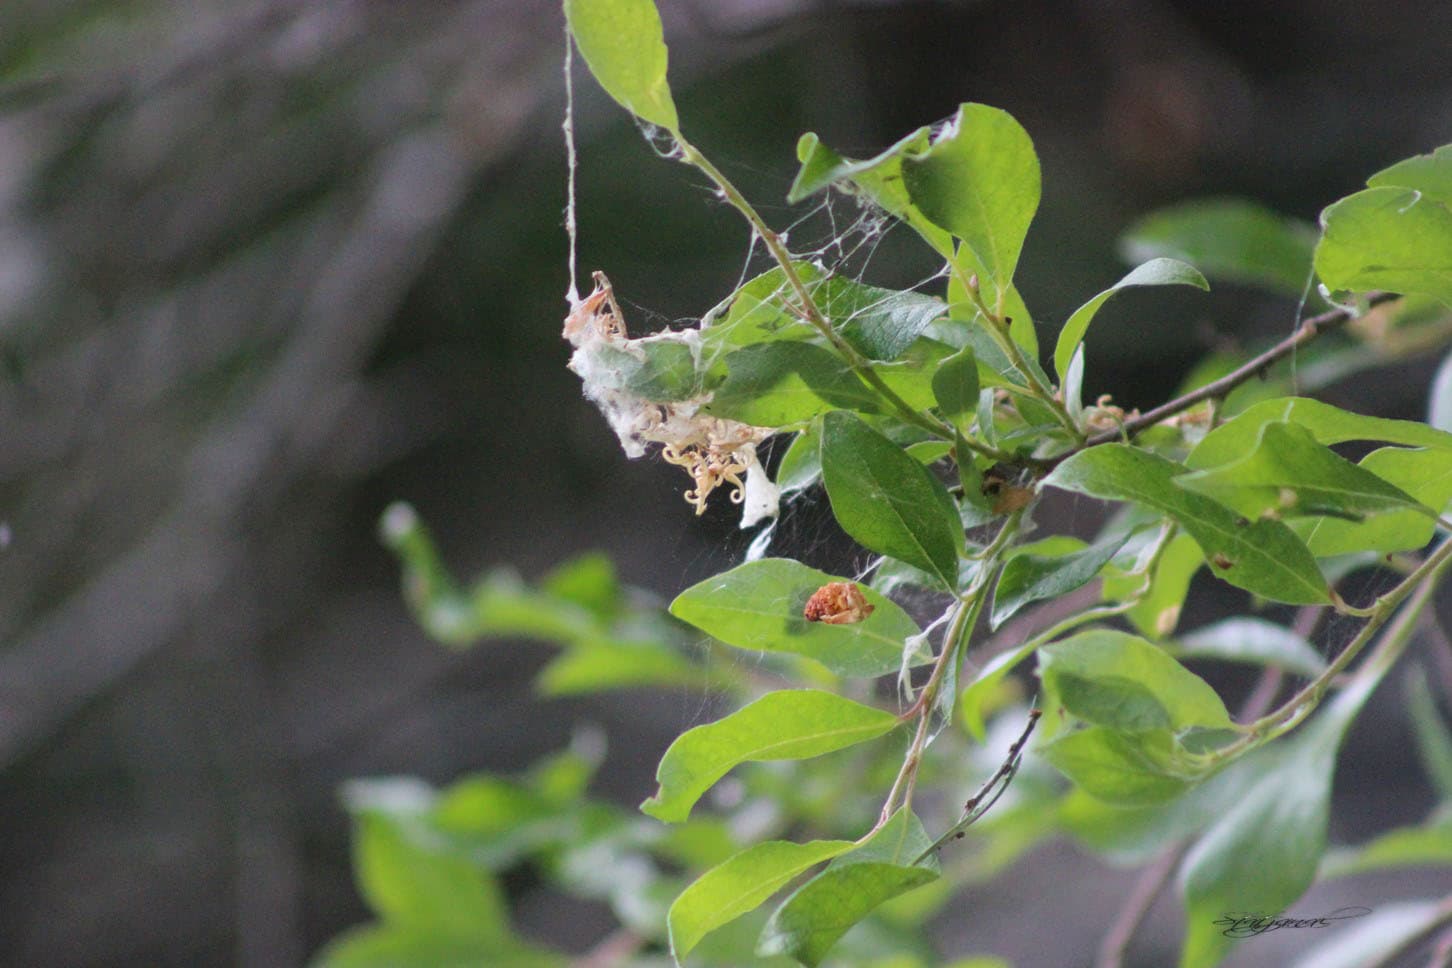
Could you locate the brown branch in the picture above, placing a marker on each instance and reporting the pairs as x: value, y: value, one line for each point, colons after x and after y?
x: 1308, y: 331
x: 1146, y: 890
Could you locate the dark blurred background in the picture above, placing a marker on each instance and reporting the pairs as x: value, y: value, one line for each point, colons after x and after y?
x: 266, y: 266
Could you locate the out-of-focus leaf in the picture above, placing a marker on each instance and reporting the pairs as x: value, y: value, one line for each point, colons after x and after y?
x: 886, y: 500
x: 759, y: 605
x: 801, y: 465
x: 1156, y: 272
x: 1252, y: 640
x: 1372, y: 935
x: 1396, y: 239
x: 740, y: 884
x: 598, y: 666
x: 1157, y: 613
x: 1228, y: 239
x: 624, y: 45
x: 1427, y: 845
x: 1263, y: 557
x: 979, y: 179
x: 1262, y: 853
x: 790, y: 724
x: 1434, y: 739
x: 809, y: 922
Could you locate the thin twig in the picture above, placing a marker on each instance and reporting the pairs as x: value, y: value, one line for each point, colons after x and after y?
x: 1305, y: 333
x: 981, y: 802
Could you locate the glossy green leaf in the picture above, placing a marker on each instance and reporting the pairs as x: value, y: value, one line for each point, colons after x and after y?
x: 1228, y: 239
x: 761, y: 311
x: 1396, y: 239
x: 1329, y: 425
x: 1119, y: 768
x: 817, y: 914
x: 1424, y: 473
x: 624, y: 46
x: 1028, y: 578
x: 911, y: 375
x: 1262, y: 853
x: 955, y: 389
x: 980, y: 180
x: 879, y: 323
x: 1118, y: 680
x: 758, y: 606
x: 879, y: 178
x: 1263, y: 557
x: 786, y: 383
x: 886, y: 500
x: 791, y: 724
x: 739, y: 885
x: 1252, y: 640
x: 1156, y: 272
x: 1288, y: 472
x: 1430, y: 174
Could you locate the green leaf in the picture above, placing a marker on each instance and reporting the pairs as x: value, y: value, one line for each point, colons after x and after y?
x: 817, y: 914
x: 1396, y: 239
x: 1255, y: 641
x: 411, y: 879
x: 389, y: 946
x: 1289, y: 472
x: 1429, y: 174
x: 1127, y: 769
x: 1158, y: 612
x: 1424, y: 473
x: 1156, y: 272
x: 602, y: 665
x: 1228, y: 239
x: 980, y: 180
x: 1121, y: 681
x: 1434, y: 739
x: 801, y: 465
x: 1262, y: 853
x: 1263, y: 557
x: 1328, y: 424
x: 791, y: 724
x: 1029, y: 578
x: 786, y: 383
x: 955, y: 388
x: 758, y: 606
x: 1428, y: 845
x: 1021, y: 322
x: 879, y: 323
x: 886, y: 500
x: 760, y: 312
x: 878, y: 178
x: 738, y: 885
x: 624, y: 46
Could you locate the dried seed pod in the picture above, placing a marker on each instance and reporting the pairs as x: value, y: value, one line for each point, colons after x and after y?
x: 837, y: 603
